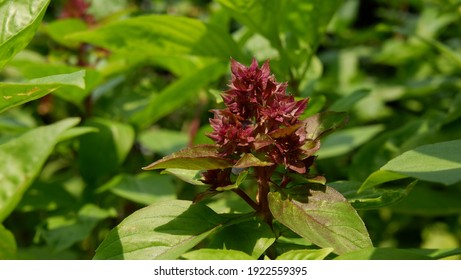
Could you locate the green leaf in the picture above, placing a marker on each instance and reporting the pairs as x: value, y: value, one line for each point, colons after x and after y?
x: 260, y: 16
x: 75, y: 94
x: 252, y: 237
x: 321, y: 124
x: 425, y: 200
x: 61, y: 28
x: 63, y: 231
x: 164, y: 230
x: 19, y: 168
x: 249, y: 160
x: 440, y: 163
x: 189, y: 176
x: 8, y: 246
x: 327, y: 220
x: 155, y: 35
x: 202, y: 157
x: 102, y: 153
x: 379, y: 177
x: 306, y: 254
x: 20, y: 20
x: 163, y: 141
x: 437, y: 253
x: 348, y: 102
x: 216, y: 254
x: 77, y: 132
x: 383, y: 254
x: 346, y: 140
x: 145, y: 188
x: 178, y: 93
x: 373, y: 198
x: 14, y: 94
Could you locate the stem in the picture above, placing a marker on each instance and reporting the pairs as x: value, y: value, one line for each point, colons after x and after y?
x: 263, y: 176
x: 248, y: 200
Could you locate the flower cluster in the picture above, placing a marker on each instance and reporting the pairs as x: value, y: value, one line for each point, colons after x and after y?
x: 262, y: 119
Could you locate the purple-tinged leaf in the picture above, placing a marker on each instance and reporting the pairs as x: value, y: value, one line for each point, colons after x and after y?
x: 249, y: 160
x: 326, y: 219
x: 202, y: 157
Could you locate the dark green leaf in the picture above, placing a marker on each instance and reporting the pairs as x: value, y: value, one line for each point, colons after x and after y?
x: 155, y: 35
x: 327, y: 220
x: 252, y: 237
x: 20, y: 20
x: 145, y: 189
x: 346, y: 140
x: 321, y: 124
x: 383, y: 254
x: 428, y: 200
x: 216, y: 254
x: 437, y: 253
x: 348, y: 102
x: 202, y: 157
x: 14, y: 94
x: 8, y: 246
x: 178, y: 93
x: 19, y: 168
x: 373, y: 198
x: 101, y: 153
x: 164, y: 230
x: 64, y: 231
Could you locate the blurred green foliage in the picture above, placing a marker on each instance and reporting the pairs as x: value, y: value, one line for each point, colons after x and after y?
x: 142, y: 75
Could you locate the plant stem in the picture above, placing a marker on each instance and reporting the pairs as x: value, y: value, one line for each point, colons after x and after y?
x: 263, y: 176
x: 248, y: 200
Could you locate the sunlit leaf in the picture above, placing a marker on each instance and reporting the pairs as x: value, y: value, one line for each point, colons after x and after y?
x: 20, y: 20
x: 326, y: 219
x: 8, y: 245
x: 440, y: 163
x: 164, y: 230
x: 19, y: 168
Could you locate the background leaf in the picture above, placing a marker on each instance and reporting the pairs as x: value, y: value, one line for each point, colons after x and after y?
x: 147, y: 235
x: 154, y: 35
x: 20, y: 20
x: 19, y: 169
x: 144, y: 188
x: 327, y: 220
x: 14, y: 94
x: 102, y: 153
